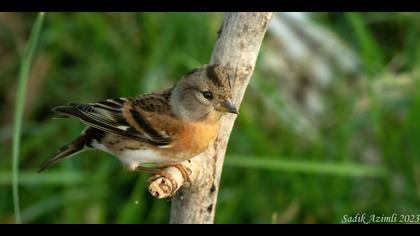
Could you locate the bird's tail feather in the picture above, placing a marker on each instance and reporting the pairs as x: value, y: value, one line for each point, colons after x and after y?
x: 69, y: 150
x: 66, y: 111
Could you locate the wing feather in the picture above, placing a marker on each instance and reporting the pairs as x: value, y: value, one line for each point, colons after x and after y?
x: 122, y: 116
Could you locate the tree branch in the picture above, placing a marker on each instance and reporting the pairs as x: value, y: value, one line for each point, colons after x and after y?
x: 236, y: 49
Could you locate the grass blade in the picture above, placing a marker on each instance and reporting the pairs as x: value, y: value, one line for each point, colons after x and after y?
x: 306, y: 167
x: 47, y: 179
x: 372, y: 57
x: 20, y: 100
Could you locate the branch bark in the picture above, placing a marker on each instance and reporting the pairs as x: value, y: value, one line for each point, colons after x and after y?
x: 237, y: 48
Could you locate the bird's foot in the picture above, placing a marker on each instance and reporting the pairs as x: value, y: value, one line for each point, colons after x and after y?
x: 185, y: 171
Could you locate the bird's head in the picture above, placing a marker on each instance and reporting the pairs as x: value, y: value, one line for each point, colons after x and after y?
x: 202, y: 91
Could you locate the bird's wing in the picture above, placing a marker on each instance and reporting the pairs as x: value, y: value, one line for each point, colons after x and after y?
x: 129, y: 117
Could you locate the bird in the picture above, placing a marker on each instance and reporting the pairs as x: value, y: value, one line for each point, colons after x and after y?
x: 157, y: 129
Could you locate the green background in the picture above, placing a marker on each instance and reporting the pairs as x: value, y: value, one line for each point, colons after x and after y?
x: 273, y: 174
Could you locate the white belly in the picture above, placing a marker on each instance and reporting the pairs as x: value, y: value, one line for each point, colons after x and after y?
x: 133, y: 158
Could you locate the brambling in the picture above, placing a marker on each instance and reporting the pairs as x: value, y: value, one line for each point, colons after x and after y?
x: 160, y: 128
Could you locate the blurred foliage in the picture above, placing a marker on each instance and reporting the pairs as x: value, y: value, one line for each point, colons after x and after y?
x: 366, y: 157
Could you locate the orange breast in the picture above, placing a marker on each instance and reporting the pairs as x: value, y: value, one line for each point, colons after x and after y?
x: 192, y: 138
x: 195, y: 139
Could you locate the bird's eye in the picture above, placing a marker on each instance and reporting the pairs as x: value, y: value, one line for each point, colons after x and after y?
x: 207, y: 95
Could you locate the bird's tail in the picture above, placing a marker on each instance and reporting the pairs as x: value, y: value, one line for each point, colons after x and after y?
x: 78, y: 145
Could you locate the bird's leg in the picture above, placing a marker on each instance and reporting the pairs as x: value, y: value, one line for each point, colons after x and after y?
x: 145, y: 169
x: 157, y: 172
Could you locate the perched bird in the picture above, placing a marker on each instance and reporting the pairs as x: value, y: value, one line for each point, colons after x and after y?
x: 159, y: 128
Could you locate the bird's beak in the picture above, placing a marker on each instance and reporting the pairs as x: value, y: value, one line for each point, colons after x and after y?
x: 227, y: 106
